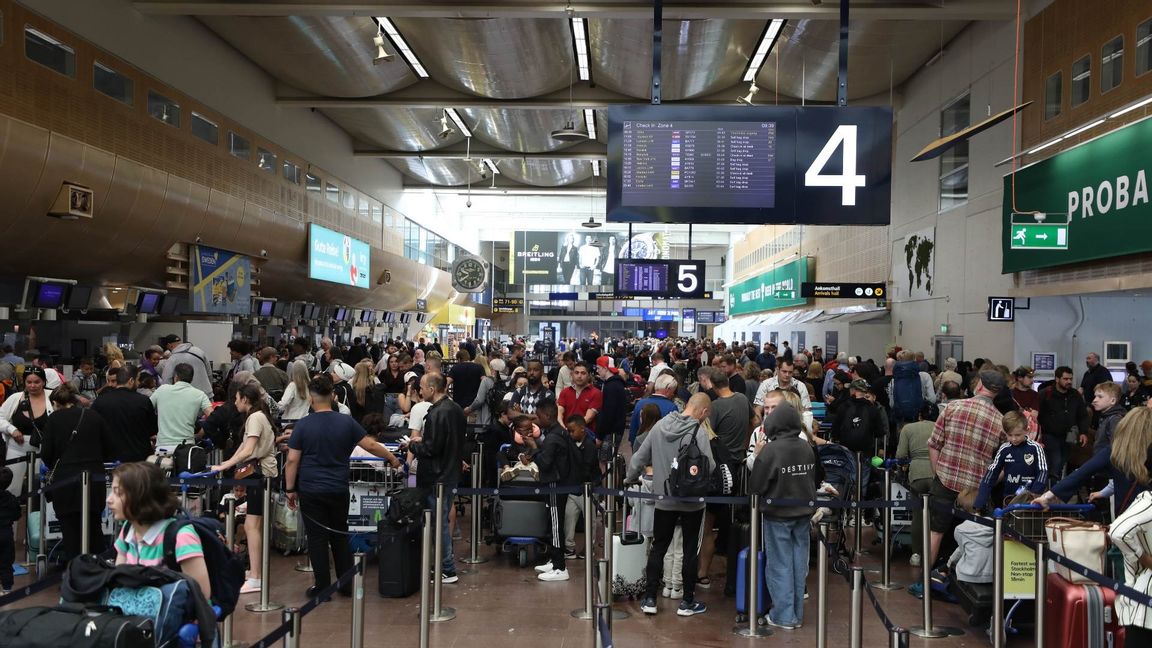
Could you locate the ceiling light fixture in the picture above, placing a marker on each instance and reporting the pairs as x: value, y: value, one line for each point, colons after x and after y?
x: 459, y: 122
x: 596, y: 168
x: 401, y: 46
x: 591, y: 223
x: 446, y: 129
x: 492, y: 166
x: 767, y: 42
x: 569, y: 132
x: 382, y: 55
x: 590, y: 122
x: 580, y: 39
x: 747, y: 99
x: 1128, y: 109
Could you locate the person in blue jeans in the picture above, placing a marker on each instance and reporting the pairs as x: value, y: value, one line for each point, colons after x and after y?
x: 786, y: 468
x: 438, y: 449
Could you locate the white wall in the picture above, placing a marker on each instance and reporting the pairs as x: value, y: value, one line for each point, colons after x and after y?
x: 865, y: 339
x: 1050, y: 324
x: 186, y: 55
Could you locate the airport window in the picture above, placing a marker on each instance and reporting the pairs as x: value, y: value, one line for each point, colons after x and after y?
x: 363, y: 208
x: 1144, y: 47
x: 1053, y: 95
x: 266, y: 160
x: 239, y: 147
x: 163, y: 108
x: 1111, y: 64
x: 349, y: 200
x: 205, y: 128
x: 954, y: 162
x: 1081, y: 80
x: 291, y: 172
x: 311, y: 182
x: 112, y: 83
x: 332, y: 192
x: 49, y: 52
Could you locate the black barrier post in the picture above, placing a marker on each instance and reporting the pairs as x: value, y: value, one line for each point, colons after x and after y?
x: 474, y: 557
x: 927, y: 630
x: 856, y: 615
x: 752, y: 599
x: 425, y: 569
x: 997, y: 628
x: 1041, y: 591
x: 265, y: 553
x: 822, y: 589
x: 886, y: 583
x: 589, y: 611
x: 85, y: 510
x: 292, y: 616
x: 439, y: 613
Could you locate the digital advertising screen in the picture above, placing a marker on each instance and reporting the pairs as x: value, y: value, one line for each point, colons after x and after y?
x: 337, y: 257
x: 820, y: 165
x: 576, y: 258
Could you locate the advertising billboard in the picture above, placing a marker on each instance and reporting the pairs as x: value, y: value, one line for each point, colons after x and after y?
x: 220, y: 282
x: 337, y: 257
x: 579, y: 258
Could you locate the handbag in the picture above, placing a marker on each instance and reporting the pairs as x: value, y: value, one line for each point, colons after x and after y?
x: 1080, y: 541
x: 244, y: 470
x: 51, y: 474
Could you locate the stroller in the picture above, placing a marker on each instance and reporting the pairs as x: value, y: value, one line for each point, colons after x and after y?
x: 840, y: 473
x: 520, y: 523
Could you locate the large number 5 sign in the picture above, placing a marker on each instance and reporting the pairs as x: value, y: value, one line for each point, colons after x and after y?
x: 848, y: 180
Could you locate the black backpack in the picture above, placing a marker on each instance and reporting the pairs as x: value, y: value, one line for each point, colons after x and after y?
x: 225, y: 567
x: 405, y: 507
x: 691, y: 475
x: 495, y: 396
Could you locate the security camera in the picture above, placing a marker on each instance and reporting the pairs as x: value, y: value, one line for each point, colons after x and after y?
x: 468, y: 203
x: 197, y: 239
x: 263, y: 253
x: 447, y: 132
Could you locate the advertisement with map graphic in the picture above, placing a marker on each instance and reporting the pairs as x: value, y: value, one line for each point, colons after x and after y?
x: 579, y: 258
x: 915, y: 264
x: 220, y: 282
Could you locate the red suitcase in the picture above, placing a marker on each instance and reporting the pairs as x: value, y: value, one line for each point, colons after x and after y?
x: 1080, y: 616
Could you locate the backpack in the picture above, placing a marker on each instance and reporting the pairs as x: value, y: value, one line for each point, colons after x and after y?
x: 691, y: 475
x: 857, y: 431
x: 495, y: 396
x: 907, y: 392
x: 405, y: 507
x: 225, y: 567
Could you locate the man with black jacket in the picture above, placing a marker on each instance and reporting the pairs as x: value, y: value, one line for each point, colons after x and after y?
x: 129, y: 415
x: 1063, y: 418
x: 437, y: 448
x: 787, y: 468
x: 614, y: 412
x: 555, y: 455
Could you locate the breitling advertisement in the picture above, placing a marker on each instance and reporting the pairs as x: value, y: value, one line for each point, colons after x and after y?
x: 576, y: 258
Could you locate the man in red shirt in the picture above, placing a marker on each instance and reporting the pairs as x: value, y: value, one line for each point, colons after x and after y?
x: 581, y: 398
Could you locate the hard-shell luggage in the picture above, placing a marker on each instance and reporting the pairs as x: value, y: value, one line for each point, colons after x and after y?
x: 1080, y: 615
x: 739, y: 537
x: 399, y: 559
x: 742, y: 585
x: 629, y: 560
x: 73, y: 626
x: 523, y: 518
x: 288, y: 536
x: 975, y: 598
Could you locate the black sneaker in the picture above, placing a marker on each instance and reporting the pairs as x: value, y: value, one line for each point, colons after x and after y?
x: 688, y: 608
x: 314, y: 591
x: 648, y: 605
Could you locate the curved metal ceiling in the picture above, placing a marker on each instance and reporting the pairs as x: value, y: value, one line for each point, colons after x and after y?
x: 509, y: 59
x: 327, y: 55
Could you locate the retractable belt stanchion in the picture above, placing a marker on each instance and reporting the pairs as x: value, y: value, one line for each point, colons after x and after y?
x: 265, y: 555
x: 886, y: 564
x: 822, y: 590
x: 858, y: 514
x: 230, y: 538
x: 42, y: 549
x: 898, y: 638
x: 474, y: 557
x: 605, y: 607
x: 30, y: 482
x: 85, y: 511
x: 588, y: 611
x: 292, y: 639
x: 753, y: 629
x: 610, y: 503
x: 1041, y: 591
x: 358, y: 602
x: 856, y: 615
x: 997, y: 629
x: 425, y: 570
x: 927, y: 630
x: 439, y: 612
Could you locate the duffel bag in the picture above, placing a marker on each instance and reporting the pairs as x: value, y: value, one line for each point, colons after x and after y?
x: 74, y: 626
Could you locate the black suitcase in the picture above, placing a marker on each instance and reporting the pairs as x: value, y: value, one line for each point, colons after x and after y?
x: 739, y: 537
x: 73, y: 625
x: 976, y: 599
x: 399, y: 559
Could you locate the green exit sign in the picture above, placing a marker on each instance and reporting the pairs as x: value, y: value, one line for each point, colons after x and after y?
x: 1039, y: 236
x: 785, y: 294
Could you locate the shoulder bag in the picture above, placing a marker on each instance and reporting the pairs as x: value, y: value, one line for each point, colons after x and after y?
x: 1080, y: 541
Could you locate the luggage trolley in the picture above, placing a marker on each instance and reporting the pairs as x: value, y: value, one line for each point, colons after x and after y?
x: 372, y: 481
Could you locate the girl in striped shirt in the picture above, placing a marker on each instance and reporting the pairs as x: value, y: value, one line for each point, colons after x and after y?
x: 140, y: 496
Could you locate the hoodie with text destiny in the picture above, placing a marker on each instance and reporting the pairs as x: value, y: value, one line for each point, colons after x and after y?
x: 786, y: 468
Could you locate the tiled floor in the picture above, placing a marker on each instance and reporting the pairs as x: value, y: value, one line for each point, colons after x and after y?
x: 502, y: 605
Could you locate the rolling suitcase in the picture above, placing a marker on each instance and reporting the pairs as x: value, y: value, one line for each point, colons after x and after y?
x: 1080, y: 616
x: 975, y: 598
x: 742, y: 586
x: 739, y: 538
x: 629, y: 560
x: 523, y: 518
x: 399, y: 559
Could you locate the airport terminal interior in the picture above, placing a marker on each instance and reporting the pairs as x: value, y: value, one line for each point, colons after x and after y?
x: 309, y: 254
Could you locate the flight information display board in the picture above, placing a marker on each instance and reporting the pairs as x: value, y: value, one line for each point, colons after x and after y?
x: 749, y: 164
x: 670, y: 279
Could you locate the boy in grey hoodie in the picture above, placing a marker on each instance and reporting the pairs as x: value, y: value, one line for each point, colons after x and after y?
x: 659, y: 450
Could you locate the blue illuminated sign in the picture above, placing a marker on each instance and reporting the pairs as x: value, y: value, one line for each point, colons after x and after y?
x: 337, y: 257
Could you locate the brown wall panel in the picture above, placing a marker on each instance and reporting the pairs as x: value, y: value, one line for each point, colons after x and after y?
x: 23, y: 148
x: 135, y: 196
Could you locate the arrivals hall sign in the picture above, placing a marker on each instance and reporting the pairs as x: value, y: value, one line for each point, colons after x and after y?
x: 1100, y: 189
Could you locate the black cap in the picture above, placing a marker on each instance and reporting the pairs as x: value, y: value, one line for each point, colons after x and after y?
x: 171, y: 338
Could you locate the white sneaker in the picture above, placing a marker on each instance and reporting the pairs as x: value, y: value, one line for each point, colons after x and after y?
x: 914, y: 561
x: 554, y: 575
x: 545, y: 568
x: 673, y: 593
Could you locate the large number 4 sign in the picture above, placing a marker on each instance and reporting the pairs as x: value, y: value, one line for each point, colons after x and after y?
x: 847, y: 180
